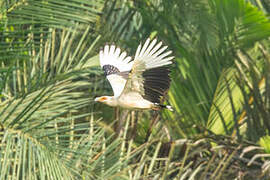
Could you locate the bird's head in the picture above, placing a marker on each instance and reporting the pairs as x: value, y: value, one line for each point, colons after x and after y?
x: 109, y: 100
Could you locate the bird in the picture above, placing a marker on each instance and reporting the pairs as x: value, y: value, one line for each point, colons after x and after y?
x: 138, y: 83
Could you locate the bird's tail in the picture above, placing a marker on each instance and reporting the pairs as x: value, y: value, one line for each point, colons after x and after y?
x: 162, y: 106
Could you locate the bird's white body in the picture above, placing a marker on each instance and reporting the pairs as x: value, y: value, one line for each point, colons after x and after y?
x: 137, y: 84
x: 134, y: 100
x: 131, y: 100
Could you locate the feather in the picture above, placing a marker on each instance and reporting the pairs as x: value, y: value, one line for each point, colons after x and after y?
x: 113, y: 56
x: 156, y: 83
x: 117, y: 83
x: 115, y: 66
x: 109, y: 69
x: 148, y: 76
x: 152, y: 56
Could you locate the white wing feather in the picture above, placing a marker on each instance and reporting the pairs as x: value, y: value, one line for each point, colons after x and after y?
x: 148, y: 56
x: 117, y: 83
x: 113, y: 56
x: 153, y: 56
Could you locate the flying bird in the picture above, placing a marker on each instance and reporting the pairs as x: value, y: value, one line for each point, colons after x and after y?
x: 137, y: 83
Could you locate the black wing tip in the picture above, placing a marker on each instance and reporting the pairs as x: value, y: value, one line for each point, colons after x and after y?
x: 110, y: 69
x: 156, y: 83
x: 162, y: 106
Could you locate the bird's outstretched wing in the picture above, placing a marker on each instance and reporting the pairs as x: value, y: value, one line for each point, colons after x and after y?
x: 149, y: 75
x: 116, y: 66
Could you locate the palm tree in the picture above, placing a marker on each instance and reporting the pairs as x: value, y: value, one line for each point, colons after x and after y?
x: 50, y: 127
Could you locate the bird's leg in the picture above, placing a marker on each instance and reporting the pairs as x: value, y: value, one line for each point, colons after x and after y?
x: 116, y: 117
x: 121, y: 119
x: 153, y: 122
x: 134, y: 120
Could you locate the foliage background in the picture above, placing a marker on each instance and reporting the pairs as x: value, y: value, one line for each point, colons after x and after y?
x: 50, y: 128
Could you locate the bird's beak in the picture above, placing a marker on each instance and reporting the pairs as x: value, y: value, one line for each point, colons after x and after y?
x: 101, y: 99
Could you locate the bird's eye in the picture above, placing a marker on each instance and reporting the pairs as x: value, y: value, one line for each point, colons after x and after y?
x: 103, y: 99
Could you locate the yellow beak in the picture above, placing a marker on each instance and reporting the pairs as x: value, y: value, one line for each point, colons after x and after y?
x: 101, y: 99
